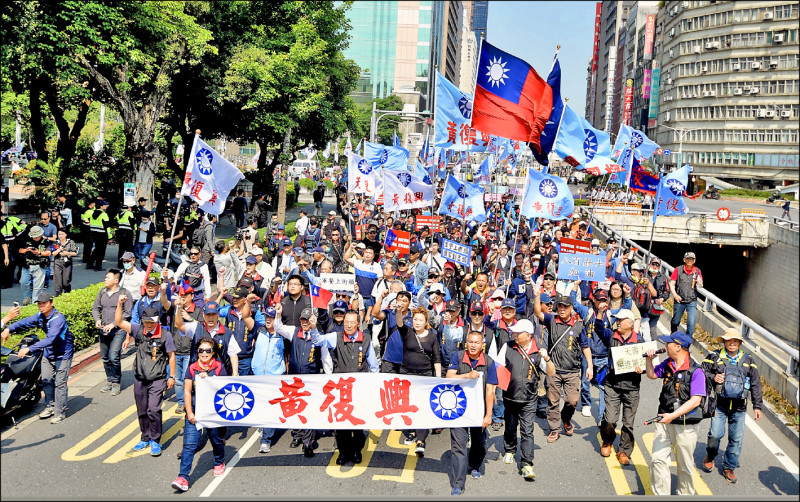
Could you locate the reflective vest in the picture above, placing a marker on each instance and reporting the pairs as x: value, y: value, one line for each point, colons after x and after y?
x: 86, y: 215
x: 96, y: 222
x: 12, y: 228
x: 125, y: 220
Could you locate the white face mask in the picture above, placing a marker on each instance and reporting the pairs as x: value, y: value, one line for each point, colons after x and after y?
x: 127, y: 266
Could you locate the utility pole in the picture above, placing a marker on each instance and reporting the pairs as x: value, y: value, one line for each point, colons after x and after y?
x: 284, y: 172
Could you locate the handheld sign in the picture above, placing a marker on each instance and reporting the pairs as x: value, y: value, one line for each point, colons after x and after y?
x: 431, y: 222
x: 583, y: 266
x: 627, y: 357
x: 455, y: 252
x: 397, y: 240
x: 572, y: 246
x: 337, y: 283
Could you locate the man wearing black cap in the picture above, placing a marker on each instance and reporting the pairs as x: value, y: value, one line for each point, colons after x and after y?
x: 155, y: 297
x: 124, y: 221
x: 566, y: 340
x: 370, y: 239
x: 143, y: 237
x: 227, y: 347
x: 452, y: 330
x: 100, y: 232
x: 304, y: 359
x: 57, y: 347
x: 154, y: 350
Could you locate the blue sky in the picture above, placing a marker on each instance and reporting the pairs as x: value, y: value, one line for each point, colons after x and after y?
x: 532, y: 30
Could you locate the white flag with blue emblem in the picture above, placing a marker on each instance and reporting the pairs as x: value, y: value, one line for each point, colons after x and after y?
x: 546, y: 196
x: 360, y: 175
x: 403, y: 190
x: 670, y: 193
x: 584, y: 147
x: 643, y: 146
x: 453, y: 115
x: 209, y: 177
x: 389, y: 157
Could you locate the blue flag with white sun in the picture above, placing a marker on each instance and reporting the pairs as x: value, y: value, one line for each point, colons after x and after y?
x: 453, y: 115
x: 546, y: 196
x: 580, y: 144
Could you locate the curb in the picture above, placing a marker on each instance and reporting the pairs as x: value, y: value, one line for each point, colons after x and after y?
x: 84, y: 358
x: 762, y: 202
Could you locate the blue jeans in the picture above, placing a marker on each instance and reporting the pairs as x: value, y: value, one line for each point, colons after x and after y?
x: 735, y: 421
x: 141, y: 250
x: 193, y: 442
x: 30, y: 273
x: 245, y: 366
x: 691, y: 316
x: 181, y: 363
x: 600, y: 364
x: 110, y: 353
x: 267, y: 434
x: 499, y: 409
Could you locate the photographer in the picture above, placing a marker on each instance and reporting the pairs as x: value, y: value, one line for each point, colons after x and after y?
x: 246, y: 237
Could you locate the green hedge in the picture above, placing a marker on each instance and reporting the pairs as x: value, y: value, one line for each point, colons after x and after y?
x: 312, y: 185
x: 77, y: 307
x: 758, y: 194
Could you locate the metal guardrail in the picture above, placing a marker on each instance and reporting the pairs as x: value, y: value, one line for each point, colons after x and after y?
x: 711, y: 300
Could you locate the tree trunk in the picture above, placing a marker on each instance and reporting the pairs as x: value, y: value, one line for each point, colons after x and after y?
x: 284, y: 169
x: 37, y: 128
x: 145, y: 167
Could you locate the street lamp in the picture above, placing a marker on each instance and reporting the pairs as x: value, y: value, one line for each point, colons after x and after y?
x: 681, y: 131
x: 373, y: 126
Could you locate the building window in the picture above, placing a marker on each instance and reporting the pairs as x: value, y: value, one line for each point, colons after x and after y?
x: 247, y: 149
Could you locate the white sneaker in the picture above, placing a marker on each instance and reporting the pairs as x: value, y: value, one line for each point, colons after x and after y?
x: 264, y: 448
x: 587, y: 411
x: 508, y: 458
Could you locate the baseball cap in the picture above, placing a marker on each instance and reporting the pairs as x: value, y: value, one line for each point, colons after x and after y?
x: 450, y: 265
x: 102, y: 203
x: 251, y: 260
x: 498, y: 293
x: 142, y: 199
x: 596, y: 242
x: 340, y: 306
x: 270, y: 312
x: 361, y: 245
x: 730, y: 334
x: 211, y: 307
x: 36, y: 231
x: 624, y: 314
x: 438, y: 287
x: 150, y: 313
x: 562, y: 300
x: 522, y: 326
x: 600, y: 294
x: 551, y: 274
x: 240, y: 292
x: 127, y: 255
x: 298, y: 250
x: 545, y: 298
x: 452, y: 305
x: 287, y: 242
x: 246, y: 282
x: 508, y: 302
x: 331, y: 213
x: 318, y: 249
x: 476, y: 307
x: 546, y: 237
x: 678, y: 337
x: 280, y: 227
x: 689, y: 254
x: 414, y: 249
x: 153, y: 279
x: 655, y: 260
x: 402, y: 261
x: 611, y: 239
x: 256, y: 251
x: 637, y: 266
x: 44, y: 296
x: 306, y: 313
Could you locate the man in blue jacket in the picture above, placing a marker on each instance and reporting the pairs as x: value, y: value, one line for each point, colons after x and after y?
x: 58, y: 348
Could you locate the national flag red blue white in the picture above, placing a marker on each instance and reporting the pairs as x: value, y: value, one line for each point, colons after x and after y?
x: 511, y: 99
x: 320, y: 297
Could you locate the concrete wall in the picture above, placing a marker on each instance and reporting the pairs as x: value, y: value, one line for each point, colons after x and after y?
x: 770, y: 287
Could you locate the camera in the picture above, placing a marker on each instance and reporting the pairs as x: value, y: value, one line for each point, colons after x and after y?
x: 239, y: 234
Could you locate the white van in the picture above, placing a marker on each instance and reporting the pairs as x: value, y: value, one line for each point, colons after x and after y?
x: 300, y: 167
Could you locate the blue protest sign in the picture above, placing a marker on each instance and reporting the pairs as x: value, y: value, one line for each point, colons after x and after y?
x: 455, y: 252
x: 583, y: 266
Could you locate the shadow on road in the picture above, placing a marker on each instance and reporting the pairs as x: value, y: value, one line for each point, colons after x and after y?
x: 5, y: 450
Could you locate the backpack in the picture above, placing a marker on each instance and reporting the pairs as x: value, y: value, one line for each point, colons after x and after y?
x: 709, y: 402
x: 194, y: 275
x: 733, y: 386
x: 641, y: 297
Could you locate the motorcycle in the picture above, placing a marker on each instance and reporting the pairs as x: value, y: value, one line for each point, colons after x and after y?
x: 774, y: 197
x: 20, y: 378
x: 711, y: 194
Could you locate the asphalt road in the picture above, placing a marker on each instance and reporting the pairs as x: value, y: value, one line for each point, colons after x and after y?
x: 89, y: 455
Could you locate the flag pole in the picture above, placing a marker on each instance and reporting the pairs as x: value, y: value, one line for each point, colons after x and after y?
x: 180, y: 203
x: 627, y: 187
x: 519, y: 224
x: 546, y: 169
x: 655, y: 206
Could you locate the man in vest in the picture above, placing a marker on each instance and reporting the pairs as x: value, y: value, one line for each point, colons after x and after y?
x: 523, y: 360
x: 621, y: 390
x: 100, y: 232
x: 35, y: 254
x: 124, y: 237
x: 566, y: 340
x: 471, y: 363
x: 86, y: 232
x: 683, y: 283
x: 11, y: 229
x: 351, y: 352
x: 197, y: 275
x: 304, y: 359
x: 227, y: 347
x: 154, y: 350
x: 735, y: 373
x: 679, y: 408
x: 243, y: 326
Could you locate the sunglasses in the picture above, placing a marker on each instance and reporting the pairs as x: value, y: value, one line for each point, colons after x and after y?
x: 476, y: 313
x: 372, y: 232
x: 193, y: 254
x: 205, y: 351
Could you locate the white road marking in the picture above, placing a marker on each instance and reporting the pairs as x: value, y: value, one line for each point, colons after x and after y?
x: 229, y: 466
x: 762, y: 436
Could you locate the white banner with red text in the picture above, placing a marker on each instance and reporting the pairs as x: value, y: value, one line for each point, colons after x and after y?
x: 339, y: 401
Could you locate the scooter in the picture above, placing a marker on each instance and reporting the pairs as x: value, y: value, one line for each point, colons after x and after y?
x: 20, y: 378
x: 776, y: 196
x: 711, y: 194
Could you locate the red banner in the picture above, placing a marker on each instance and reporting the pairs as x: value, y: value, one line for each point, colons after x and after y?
x: 397, y: 240
x: 358, y: 232
x: 628, y: 104
x: 649, y: 36
x: 431, y: 222
x: 573, y: 246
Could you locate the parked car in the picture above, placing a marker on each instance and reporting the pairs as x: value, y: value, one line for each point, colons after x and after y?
x: 572, y: 180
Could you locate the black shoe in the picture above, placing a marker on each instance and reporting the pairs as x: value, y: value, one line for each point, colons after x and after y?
x: 357, y: 457
x: 295, y: 443
x: 340, y: 460
x: 308, y: 452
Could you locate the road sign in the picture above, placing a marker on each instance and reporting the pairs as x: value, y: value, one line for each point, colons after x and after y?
x: 129, y: 194
x: 723, y: 213
x: 667, y: 152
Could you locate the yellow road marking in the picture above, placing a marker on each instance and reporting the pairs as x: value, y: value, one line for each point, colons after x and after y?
x: 407, y: 476
x: 642, y: 467
x: 699, y: 485
x: 125, y: 452
x: 616, y: 472
x: 73, y: 454
x: 335, y: 471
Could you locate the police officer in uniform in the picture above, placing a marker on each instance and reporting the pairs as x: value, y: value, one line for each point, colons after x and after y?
x: 100, y: 231
x: 11, y: 228
x: 124, y: 237
x: 86, y: 232
x: 351, y: 352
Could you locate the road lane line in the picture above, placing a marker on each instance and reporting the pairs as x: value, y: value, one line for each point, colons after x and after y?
x: 230, y: 465
x: 621, y: 485
x: 72, y: 455
x: 407, y: 476
x: 642, y: 468
x: 700, y: 485
x: 335, y: 471
x: 790, y: 466
x: 126, y: 451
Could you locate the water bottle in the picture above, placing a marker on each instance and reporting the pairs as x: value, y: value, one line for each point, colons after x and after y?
x: 747, y: 384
